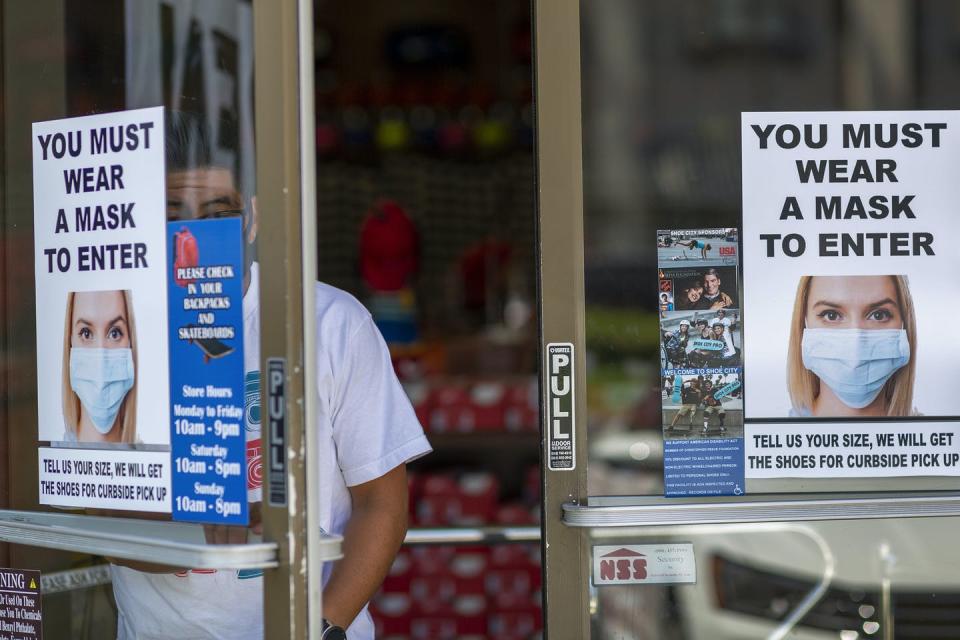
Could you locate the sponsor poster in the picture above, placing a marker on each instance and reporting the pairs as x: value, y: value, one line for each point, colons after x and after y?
x: 849, y: 272
x: 123, y: 377
x: 701, y: 347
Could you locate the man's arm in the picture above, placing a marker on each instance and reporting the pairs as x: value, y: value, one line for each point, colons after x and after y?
x: 377, y: 526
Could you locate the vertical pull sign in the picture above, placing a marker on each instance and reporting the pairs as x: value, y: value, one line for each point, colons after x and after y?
x: 277, y: 419
x: 560, y: 418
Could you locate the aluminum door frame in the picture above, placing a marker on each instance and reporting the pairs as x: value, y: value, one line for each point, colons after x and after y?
x: 283, y: 94
x: 556, y: 37
x: 286, y: 246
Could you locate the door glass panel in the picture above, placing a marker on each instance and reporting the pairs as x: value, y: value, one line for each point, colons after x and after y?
x: 426, y: 213
x: 64, y: 60
x: 664, y: 85
x: 847, y: 579
x: 663, y: 89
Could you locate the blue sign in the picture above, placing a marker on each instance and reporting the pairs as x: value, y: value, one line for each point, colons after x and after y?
x: 208, y: 442
x: 703, y: 467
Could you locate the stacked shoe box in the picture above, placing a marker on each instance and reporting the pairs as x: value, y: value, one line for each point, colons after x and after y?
x: 465, y: 592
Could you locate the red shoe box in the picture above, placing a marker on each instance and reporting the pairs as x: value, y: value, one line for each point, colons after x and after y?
x: 468, y: 620
x: 468, y: 568
x: 487, y: 405
x: 479, y: 494
x: 515, y: 556
x: 434, y: 594
x: 470, y: 500
x: 514, y: 579
x: 511, y: 589
x: 432, y: 560
x: 450, y: 408
x: 461, y: 592
x: 392, y: 614
x: 421, y: 399
x: 514, y: 625
x: 439, y: 503
x: 401, y: 572
x: 438, y: 511
x: 434, y: 627
x: 517, y: 514
x: 521, y: 410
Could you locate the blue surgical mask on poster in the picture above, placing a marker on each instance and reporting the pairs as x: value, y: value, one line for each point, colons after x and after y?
x: 101, y: 379
x: 855, y: 363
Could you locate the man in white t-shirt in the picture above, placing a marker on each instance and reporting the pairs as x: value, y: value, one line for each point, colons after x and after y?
x: 367, y: 432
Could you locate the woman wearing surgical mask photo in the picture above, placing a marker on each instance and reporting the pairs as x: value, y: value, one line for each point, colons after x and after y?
x: 853, y: 341
x: 99, y: 368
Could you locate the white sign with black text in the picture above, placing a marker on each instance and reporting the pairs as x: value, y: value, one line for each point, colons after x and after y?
x: 849, y: 288
x: 561, y: 425
x: 100, y: 270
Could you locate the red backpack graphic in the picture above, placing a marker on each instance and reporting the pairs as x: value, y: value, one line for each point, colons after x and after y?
x: 186, y: 253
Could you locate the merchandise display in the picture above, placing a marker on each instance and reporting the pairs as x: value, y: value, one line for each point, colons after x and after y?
x: 461, y: 592
x: 425, y: 201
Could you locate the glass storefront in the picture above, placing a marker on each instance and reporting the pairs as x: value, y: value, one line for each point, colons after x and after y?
x: 664, y: 86
x: 548, y: 211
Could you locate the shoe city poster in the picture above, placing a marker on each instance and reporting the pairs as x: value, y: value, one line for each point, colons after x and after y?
x: 701, y: 368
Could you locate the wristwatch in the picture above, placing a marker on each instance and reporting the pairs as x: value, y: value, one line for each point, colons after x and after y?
x: 332, y: 632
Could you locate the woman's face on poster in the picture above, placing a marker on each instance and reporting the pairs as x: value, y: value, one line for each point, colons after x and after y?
x: 99, y: 320
x: 853, y: 302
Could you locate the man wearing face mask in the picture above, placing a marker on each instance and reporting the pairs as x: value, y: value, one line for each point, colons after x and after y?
x: 367, y: 432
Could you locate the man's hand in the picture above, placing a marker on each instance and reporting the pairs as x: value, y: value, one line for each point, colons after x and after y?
x: 377, y: 526
x: 234, y: 534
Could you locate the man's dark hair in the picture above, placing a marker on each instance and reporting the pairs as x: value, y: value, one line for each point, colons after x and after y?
x: 189, y: 142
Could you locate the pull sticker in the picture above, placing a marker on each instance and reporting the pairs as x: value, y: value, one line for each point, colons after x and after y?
x: 561, y: 439
x: 277, y: 421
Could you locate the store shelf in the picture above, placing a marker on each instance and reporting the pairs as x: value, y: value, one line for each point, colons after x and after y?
x: 471, y: 535
x: 172, y: 543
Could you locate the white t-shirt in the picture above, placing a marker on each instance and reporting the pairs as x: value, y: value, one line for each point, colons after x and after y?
x: 367, y: 428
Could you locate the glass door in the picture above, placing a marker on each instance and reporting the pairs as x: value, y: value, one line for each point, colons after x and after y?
x: 666, y: 521
x: 155, y: 197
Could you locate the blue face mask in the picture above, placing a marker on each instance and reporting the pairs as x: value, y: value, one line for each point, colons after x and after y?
x: 855, y: 363
x: 101, y: 379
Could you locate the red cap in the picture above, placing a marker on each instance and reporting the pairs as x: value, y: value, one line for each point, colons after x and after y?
x: 388, y: 247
